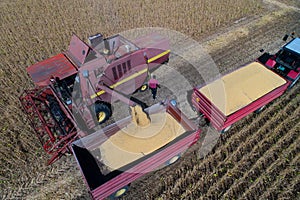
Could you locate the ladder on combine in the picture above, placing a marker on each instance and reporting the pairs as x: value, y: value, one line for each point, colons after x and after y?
x: 54, y: 129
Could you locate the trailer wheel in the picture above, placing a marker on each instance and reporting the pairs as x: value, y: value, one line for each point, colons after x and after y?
x: 119, y: 193
x: 226, y: 129
x: 144, y: 87
x: 173, y: 160
x: 103, y: 112
x: 260, y: 109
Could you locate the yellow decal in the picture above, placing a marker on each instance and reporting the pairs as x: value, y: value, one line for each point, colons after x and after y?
x: 158, y: 56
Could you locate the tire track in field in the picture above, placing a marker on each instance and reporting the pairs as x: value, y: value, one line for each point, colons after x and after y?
x: 283, y: 5
x: 248, y: 50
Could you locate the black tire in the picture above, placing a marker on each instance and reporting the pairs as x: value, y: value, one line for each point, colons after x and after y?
x: 103, y: 112
x: 144, y: 87
x: 260, y: 110
x: 225, y: 129
x: 173, y: 160
x: 119, y: 193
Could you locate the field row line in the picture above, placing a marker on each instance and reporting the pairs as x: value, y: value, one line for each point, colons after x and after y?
x: 234, y: 172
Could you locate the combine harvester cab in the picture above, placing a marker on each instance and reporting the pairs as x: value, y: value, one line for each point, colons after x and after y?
x: 111, y: 158
x: 75, y: 89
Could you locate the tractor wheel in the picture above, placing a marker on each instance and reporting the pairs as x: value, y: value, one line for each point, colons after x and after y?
x: 143, y: 88
x: 103, y: 112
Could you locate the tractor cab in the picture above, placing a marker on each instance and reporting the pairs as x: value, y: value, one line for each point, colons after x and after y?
x: 289, y: 55
x: 286, y: 62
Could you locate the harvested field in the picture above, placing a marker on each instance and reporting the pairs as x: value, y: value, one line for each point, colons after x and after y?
x: 258, y: 158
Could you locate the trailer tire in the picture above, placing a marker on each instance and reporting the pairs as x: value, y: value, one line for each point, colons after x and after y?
x: 260, y: 110
x: 293, y: 84
x: 119, y: 192
x: 173, y: 160
x: 226, y: 129
x: 103, y: 112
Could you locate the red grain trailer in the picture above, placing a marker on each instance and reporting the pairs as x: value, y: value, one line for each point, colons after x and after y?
x: 237, y: 94
x: 113, y: 157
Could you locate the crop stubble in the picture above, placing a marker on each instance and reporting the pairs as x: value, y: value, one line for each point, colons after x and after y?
x: 33, y: 30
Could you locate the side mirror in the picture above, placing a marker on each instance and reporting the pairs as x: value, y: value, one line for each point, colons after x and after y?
x: 285, y: 37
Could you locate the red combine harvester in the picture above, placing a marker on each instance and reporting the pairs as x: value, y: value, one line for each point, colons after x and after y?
x: 247, y: 89
x: 115, y: 156
x: 75, y: 89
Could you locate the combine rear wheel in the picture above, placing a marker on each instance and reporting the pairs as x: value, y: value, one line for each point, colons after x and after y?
x: 103, y: 112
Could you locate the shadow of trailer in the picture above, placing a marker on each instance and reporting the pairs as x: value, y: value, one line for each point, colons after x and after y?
x: 109, y: 172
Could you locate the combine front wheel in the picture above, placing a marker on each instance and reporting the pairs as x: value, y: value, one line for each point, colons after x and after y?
x: 103, y: 112
x: 144, y: 87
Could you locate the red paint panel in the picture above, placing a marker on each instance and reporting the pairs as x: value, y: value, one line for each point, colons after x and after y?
x: 292, y: 74
x: 56, y: 66
x: 270, y: 63
x: 78, y: 49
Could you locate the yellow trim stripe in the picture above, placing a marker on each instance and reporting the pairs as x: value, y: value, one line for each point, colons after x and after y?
x: 121, y: 82
x: 158, y: 56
